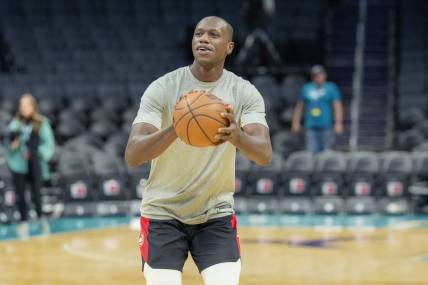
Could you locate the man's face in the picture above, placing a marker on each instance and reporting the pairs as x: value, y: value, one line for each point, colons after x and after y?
x: 320, y: 78
x: 211, y: 42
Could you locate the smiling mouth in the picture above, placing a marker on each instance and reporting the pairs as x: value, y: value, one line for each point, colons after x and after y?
x: 203, y: 49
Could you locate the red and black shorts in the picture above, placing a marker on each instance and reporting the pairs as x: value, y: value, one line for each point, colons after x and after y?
x: 165, y: 244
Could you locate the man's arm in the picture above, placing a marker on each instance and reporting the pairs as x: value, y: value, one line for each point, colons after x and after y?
x: 338, y: 117
x: 146, y: 142
x: 253, y: 140
x: 297, y: 117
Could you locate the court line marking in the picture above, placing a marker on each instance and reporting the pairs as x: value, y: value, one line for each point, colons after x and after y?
x: 93, y: 256
x: 406, y: 225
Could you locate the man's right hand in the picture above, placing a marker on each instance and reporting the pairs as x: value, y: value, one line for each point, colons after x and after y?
x: 296, y: 127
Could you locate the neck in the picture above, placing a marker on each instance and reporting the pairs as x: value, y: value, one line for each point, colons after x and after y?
x: 206, y: 74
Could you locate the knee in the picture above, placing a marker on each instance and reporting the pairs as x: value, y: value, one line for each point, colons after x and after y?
x: 226, y: 273
x: 161, y: 276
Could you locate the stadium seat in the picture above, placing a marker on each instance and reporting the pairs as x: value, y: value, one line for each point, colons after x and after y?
x: 103, y: 114
x: 242, y: 169
x: 330, y: 168
x: 66, y: 130
x: 422, y: 127
x: 112, y: 94
x: 395, y: 171
x: 422, y: 146
x: 111, y: 178
x: 418, y: 189
x: 273, y: 122
x: 8, y: 105
x: 83, y: 104
x: 420, y: 169
x: 5, y: 118
x: 8, y: 198
x: 137, y: 178
x: 103, y: 128
x: 409, y: 139
x: 76, y: 176
x: 409, y: 118
x: 269, y: 89
x: 290, y: 89
x: 129, y: 115
x: 50, y: 105
x: 263, y: 186
x: 85, y: 143
x: 285, y: 143
x: 361, y: 180
x: 116, y: 143
x: 286, y: 115
x: 296, y: 183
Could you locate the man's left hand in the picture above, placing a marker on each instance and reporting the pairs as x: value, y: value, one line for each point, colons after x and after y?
x: 230, y: 133
x: 338, y: 128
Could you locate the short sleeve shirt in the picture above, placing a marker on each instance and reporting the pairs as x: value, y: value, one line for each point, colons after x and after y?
x: 187, y: 183
x: 319, y: 104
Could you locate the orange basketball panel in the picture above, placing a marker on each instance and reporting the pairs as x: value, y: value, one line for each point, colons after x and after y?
x: 197, y: 137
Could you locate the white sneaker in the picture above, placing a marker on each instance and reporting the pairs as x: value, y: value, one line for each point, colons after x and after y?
x: 46, y: 228
x: 23, y: 230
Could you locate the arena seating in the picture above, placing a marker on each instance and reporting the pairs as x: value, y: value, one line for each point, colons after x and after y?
x: 411, y: 128
x: 88, y: 63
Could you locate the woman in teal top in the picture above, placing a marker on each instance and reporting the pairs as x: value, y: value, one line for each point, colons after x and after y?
x: 29, y: 148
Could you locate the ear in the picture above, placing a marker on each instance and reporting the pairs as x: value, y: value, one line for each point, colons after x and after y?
x: 230, y: 46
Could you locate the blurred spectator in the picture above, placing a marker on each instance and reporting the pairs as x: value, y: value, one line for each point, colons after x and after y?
x: 258, y: 12
x: 30, y: 145
x: 258, y: 49
x: 6, y: 59
x: 320, y: 100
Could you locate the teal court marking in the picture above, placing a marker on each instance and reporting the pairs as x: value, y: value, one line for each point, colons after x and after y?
x: 63, y: 225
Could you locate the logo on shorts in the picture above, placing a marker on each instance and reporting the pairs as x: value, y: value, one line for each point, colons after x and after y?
x: 141, y: 240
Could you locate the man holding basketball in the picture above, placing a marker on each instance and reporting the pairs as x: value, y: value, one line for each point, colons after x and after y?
x: 188, y: 198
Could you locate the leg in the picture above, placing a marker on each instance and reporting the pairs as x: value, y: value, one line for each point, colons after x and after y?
x: 161, y: 276
x: 312, y: 141
x: 216, y: 242
x: 164, y: 249
x: 35, y: 183
x: 319, y: 140
x: 226, y: 273
x: 19, y: 183
x: 327, y: 139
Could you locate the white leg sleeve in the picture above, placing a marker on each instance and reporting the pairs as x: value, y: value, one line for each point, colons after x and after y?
x: 226, y: 273
x: 161, y: 276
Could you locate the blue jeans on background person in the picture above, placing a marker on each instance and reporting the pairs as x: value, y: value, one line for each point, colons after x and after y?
x: 318, y: 140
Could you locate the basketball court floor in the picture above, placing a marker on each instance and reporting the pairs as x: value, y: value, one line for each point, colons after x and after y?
x: 276, y: 250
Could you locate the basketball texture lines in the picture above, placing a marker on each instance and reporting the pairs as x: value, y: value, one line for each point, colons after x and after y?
x: 197, y: 118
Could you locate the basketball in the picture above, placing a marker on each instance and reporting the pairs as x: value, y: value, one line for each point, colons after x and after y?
x: 197, y: 118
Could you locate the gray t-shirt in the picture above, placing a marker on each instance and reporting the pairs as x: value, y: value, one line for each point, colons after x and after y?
x: 188, y: 183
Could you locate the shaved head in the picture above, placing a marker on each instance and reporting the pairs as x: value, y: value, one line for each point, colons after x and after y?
x: 212, y: 42
x: 219, y: 20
